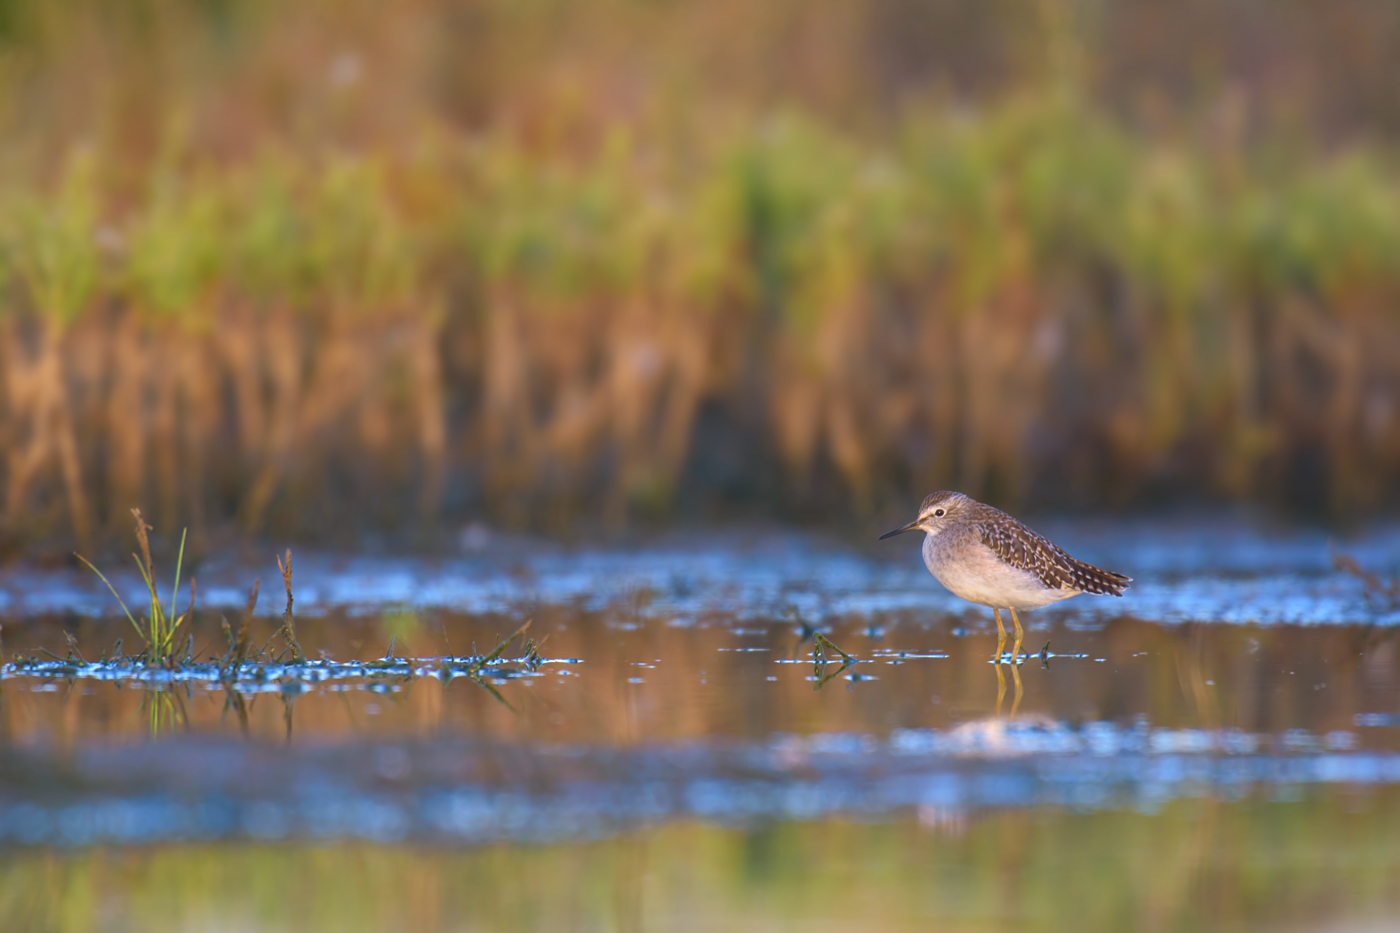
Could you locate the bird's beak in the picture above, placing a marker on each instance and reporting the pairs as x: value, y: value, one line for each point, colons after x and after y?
x: 901, y: 530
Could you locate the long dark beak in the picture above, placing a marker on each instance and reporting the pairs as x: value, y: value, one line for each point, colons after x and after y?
x: 901, y: 530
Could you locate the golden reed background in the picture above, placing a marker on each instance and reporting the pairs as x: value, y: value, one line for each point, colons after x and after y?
x: 330, y: 268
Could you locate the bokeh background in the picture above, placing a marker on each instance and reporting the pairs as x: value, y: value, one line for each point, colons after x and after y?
x: 328, y: 267
x: 635, y: 321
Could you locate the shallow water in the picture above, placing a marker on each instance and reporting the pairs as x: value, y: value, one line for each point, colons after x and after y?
x: 1207, y: 570
x: 1220, y: 747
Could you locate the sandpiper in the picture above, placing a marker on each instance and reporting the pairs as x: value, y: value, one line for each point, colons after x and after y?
x: 987, y: 557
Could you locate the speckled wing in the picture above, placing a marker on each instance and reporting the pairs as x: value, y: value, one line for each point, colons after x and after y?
x: 1023, y: 549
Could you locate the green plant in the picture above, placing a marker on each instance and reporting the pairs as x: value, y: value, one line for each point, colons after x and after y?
x: 161, y: 624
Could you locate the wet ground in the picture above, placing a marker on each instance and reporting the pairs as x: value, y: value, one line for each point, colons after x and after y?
x: 1219, y: 749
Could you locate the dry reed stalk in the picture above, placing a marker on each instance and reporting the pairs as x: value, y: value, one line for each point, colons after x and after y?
x: 66, y: 442
x: 841, y: 345
x: 797, y: 407
x: 937, y: 389
x: 240, y: 349
x: 126, y: 421
x: 38, y: 395
x: 691, y: 342
x: 628, y: 394
x: 639, y: 398
x: 143, y: 541
x: 26, y: 444
x: 282, y: 346
x: 429, y: 389
x: 165, y: 433
x: 289, y: 627
x: 199, y: 421
x: 346, y: 363
x: 507, y: 425
x: 238, y: 650
x: 1388, y: 592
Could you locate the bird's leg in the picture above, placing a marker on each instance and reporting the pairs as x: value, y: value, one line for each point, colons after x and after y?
x: 1016, y: 650
x: 1001, y: 634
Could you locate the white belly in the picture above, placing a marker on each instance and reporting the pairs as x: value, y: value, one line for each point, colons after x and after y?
x: 977, y: 575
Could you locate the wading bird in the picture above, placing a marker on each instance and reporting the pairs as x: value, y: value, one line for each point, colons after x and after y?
x: 987, y: 557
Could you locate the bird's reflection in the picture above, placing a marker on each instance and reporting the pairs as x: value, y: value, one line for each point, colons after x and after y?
x: 1001, y: 689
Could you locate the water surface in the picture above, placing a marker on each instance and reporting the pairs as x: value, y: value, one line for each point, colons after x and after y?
x: 1221, y: 747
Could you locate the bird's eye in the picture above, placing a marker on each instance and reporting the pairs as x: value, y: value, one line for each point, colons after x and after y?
x: 938, y: 513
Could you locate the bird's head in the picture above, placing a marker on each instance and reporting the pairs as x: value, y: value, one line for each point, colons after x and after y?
x: 936, y: 512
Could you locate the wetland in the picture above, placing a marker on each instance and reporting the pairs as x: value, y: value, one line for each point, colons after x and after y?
x: 684, y: 744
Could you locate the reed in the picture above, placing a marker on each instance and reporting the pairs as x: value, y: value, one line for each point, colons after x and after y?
x: 1027, y: 302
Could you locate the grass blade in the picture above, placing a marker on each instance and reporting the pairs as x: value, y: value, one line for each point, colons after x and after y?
x: 501, y: 646
x: 179, y: 562
x: 130, y: 618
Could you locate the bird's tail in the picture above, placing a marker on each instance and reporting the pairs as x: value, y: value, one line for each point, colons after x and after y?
x: 1096, y: 580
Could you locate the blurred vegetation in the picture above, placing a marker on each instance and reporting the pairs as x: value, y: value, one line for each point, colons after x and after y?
x: 323, y: 268
x: 1198, y: 864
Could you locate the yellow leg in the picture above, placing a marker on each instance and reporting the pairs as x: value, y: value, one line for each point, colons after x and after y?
x: 1001, y: 634
x: 1016, y: 702
x: 1001, y: 689
x: 1016, y: 650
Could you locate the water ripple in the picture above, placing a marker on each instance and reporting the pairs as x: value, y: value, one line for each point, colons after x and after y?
x: 465, y: 792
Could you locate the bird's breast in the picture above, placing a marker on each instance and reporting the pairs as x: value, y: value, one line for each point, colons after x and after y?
x: 973, y: 571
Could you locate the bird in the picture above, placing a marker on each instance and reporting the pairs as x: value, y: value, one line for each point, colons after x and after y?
x: 987, y: 557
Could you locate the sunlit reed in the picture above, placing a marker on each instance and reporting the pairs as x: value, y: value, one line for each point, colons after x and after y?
x: 1026, y: 302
